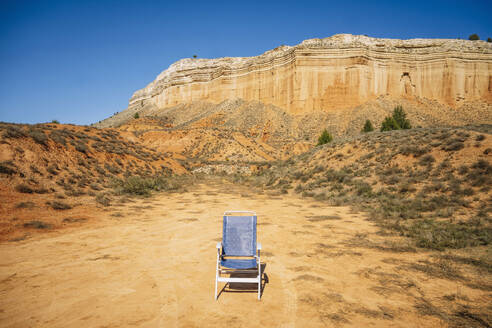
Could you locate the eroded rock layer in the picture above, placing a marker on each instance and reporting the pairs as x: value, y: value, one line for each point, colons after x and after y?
x: 342, y: 71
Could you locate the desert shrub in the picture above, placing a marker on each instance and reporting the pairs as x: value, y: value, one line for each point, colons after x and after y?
x: 25, y: 205
x: 55, y: 121
x: 58, y: 137
x: 480, y: 173
x: 38, y: 136
x: 480, y: 137
x: 426, y: 160
x: 57, y: 205
x: 453, y: 145
x: 75, y: 192
x: 473, y: 37
x: 137, y: 185
x: 324, y: 138
x: 95, y: 186
x: 81, y: 147
x: 368, y: 126
x: 37, y: 225
x: 363, y: 189
x: 6, y: 168
x: 136, y: 115
x: 53, y: 169
x: 100, y: 170
x: 416, y: 151
x: 14, y: 132
x: 23, y: 188
x: 112, y: 168
x: 103, y: 199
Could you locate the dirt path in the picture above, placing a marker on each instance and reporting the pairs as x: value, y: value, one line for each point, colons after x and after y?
x: 154, y: 266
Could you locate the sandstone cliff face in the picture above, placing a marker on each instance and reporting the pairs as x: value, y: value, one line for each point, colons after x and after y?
x: 342, y: 71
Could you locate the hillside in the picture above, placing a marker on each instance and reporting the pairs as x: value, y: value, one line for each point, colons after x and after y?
x: 430, y: 184
x: 52, y: 175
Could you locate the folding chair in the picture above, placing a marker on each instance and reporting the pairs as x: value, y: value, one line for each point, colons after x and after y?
x: 238, y: 252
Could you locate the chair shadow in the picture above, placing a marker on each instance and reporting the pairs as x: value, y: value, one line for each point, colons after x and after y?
x: 241, y: 287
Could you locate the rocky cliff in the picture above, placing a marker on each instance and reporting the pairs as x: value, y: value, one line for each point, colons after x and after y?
x: 342, y: 71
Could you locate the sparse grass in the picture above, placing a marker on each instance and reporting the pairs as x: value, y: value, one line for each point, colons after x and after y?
x: 58, y: 205
x: 413, y: 198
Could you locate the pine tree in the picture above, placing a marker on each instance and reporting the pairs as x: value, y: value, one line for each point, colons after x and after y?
x: 324, y: 138
x: 368, y: 127
x: 400, y: 117
x: 389, y: 124
x: 474, y: 37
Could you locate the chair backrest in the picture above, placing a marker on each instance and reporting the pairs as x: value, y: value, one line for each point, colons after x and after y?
x: 239, y: 235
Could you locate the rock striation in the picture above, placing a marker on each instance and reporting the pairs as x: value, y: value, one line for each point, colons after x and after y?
x: 342, y: 71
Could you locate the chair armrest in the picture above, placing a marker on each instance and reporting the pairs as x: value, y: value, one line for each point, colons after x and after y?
x: 219, y: 245
x: 258, y: 246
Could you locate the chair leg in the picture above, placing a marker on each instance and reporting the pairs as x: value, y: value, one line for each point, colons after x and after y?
x: 216, y: 276
x: 259, y: 280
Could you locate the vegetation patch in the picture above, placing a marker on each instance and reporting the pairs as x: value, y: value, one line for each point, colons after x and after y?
x: 57, y: 205
x: 37, y: 225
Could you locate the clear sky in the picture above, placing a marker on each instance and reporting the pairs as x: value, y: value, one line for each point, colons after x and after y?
x: 80, y: 61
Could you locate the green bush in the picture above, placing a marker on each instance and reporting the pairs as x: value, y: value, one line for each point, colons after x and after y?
x: 137, y: 185
x: 400, y: 117
x: 324, y: 138
x: 55, y: 121
x: 474, y: 37
x: 368, y: 127
x: 389, y: 124
x: 136, y: 115
x: 489, y: 39
x: 397, y: 121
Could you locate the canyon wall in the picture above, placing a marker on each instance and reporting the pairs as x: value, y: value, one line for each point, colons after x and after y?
x: 342, y: 71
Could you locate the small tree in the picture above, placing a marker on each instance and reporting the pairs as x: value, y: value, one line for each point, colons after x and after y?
x: 389, y: 124
x: 136, y: 115
x: 489, y: 39
x: 55, y: 121
x: 368, y: 127
x: 194, y: 56
x: 400, y: 117
x: 473, y: 37
x: 324, y: 138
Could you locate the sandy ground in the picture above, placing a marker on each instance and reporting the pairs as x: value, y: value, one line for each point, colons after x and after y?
x: 151, y: 263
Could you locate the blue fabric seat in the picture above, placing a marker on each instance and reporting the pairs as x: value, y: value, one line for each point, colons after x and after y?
x: 238, y: 263
x: 239, y: 250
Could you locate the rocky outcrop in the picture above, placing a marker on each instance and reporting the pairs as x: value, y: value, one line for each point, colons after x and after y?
x: 342, y: 71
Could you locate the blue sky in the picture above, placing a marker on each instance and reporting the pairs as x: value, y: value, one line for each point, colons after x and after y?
x: 80, y: 61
